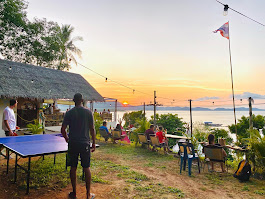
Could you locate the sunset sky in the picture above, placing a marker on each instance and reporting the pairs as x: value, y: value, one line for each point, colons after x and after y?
x: 165, y: 45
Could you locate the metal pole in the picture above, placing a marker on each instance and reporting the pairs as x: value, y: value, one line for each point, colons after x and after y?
x: 232, y: 79
x: 250, y: 113
x: 155, y: 109
x: 190, y: 119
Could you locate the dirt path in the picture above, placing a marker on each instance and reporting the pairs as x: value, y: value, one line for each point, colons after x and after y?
x: 197, y: 186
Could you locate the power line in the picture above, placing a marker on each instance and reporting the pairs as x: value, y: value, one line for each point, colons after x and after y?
x: 121, y: 84
x: 134, y: 90
x: 241, y: 13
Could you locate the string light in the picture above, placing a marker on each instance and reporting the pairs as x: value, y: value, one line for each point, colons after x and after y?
x: 226, y: 7
x: 225, y: 10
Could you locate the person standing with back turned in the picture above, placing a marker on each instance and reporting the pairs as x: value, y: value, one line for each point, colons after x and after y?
x: 81, y: 126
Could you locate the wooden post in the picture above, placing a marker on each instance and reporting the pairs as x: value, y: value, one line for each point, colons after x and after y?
x: 92, y: 106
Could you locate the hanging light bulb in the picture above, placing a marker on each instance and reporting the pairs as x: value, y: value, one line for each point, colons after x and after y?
x: 225, y: 10
x: 240, y: 100
x: 106, y: 80
x: 32, y: 81
x: 10, y: 68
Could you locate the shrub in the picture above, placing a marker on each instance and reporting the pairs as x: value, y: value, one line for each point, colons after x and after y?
x: 256, y: 152
x: 35, y: 128
x: 143, y: 125
x: 132, y: 118
x: 98, y: 122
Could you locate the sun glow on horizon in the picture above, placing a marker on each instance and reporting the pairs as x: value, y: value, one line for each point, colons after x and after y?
x: 125, y: 103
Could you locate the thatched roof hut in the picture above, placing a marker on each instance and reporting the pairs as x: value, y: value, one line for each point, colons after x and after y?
x: 28, y: 81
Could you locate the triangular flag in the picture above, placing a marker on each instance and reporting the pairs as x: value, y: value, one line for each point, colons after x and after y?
x: 224, y: 30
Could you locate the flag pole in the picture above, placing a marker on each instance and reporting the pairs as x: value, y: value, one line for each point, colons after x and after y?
x: 232, y: 80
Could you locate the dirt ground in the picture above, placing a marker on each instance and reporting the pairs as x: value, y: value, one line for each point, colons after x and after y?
x: 197, y: 186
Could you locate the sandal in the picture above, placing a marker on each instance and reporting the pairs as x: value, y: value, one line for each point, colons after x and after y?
x: 72, y: 195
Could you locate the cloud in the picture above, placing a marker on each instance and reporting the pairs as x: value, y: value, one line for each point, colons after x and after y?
x: 248, y: 94
x: 180, y: 79
x: 207, y: 98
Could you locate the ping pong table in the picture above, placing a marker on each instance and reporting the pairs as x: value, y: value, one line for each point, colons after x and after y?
x: 31, y: 146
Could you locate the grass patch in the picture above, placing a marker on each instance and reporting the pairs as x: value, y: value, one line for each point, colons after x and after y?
x: 133, y: 181
x: 158, y: 191
x: 97, y: 179
x: 245, y: 188
x: 129, y: 174
x: 45, y: 174
x: 259, y: 192
x: 150, y: 164
x: 214, y: 178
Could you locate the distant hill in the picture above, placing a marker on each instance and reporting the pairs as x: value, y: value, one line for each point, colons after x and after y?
x: 111, y: 105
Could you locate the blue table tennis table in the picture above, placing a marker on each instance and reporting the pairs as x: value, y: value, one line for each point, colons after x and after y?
x: 31, y: 146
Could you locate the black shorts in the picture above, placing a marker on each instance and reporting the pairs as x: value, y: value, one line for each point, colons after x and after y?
x: 7, y: 133
x: 74, y: 149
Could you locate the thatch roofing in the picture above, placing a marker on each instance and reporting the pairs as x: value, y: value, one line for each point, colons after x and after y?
x: 16, y: 81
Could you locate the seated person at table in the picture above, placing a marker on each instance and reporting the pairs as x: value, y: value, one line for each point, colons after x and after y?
x: 104, y: 127
x: 162, y: 139
x: 211, y: 142
x: 118, y: 127
x: 149, y: 132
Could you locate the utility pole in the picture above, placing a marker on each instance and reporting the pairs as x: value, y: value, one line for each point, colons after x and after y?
x: 144, y: 110
x: 190, y: 118
x: 115, y: 113
x: 250, y: 113
x: 155, y: 108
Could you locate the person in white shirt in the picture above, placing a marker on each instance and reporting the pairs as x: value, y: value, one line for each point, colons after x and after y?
x: 9, y: 120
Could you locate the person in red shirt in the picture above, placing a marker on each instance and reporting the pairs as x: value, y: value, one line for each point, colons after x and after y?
x: 162, y: 139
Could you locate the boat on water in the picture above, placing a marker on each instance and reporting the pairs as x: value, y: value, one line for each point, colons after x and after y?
x: 212, y: 124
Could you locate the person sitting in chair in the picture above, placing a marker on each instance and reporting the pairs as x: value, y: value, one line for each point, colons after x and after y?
x: 212, y: 143
x: 104, y: 127
x: 162, y: 139
x: 149, y: 132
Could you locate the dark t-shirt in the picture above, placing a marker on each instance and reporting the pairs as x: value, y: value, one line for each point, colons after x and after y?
x: 149, y: 132
x: 79, y: 120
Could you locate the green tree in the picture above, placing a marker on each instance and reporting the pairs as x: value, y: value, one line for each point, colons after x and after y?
x: 132, y: 118
x: 67, y: 48
x: 169, y: 121
x: 243, y: 126
x: 39, y: 42
x: 13, y: 22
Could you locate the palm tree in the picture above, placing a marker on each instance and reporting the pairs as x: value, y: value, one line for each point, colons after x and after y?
x: 67, y: 47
